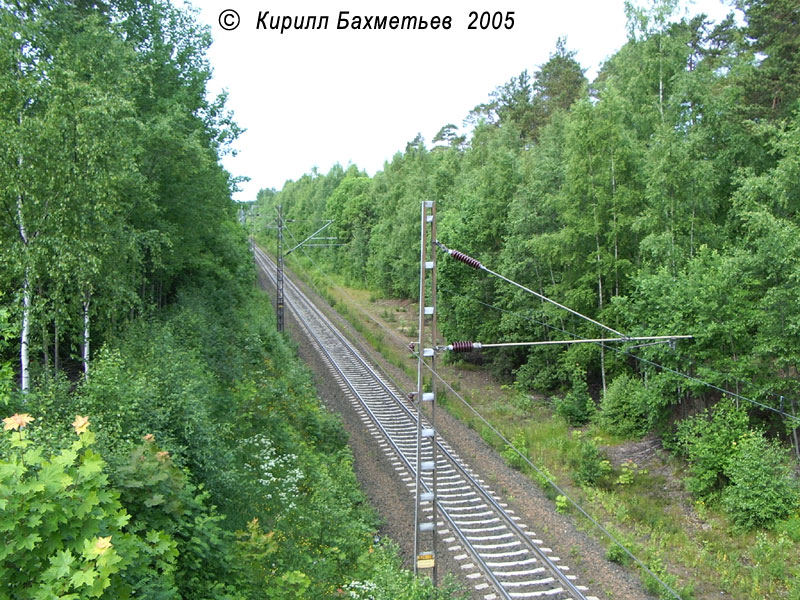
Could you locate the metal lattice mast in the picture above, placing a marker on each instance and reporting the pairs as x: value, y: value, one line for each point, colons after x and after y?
x: 279, y: 277
x: 424, y: 526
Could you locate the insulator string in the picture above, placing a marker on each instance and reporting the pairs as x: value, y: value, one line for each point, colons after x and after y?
x: 475, y: 264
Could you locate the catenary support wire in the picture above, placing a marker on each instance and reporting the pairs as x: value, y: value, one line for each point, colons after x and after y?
x: 734, y: 395
x: 469, y: 346
x: 475, y: 264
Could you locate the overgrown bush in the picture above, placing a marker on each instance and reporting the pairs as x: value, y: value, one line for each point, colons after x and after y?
x: 259, y: 445
x: 591, y: 465
x: 708, y: 441
x: 629, y: 409
x: 161, y: 499
x: 382, y: 578
x: 538, y: 375
x: 762, y: 488
x: 577, y: 406
x: 616, y: 554
x: 63, y: 530
x: 739, y: 466
x: 520, y: 446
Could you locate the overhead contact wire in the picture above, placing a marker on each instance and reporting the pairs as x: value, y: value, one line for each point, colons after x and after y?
x: 734, y: 395
x: 525, y: 458
x: 475, y: 264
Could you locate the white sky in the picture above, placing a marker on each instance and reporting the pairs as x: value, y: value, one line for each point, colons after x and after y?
x: 318, y: 97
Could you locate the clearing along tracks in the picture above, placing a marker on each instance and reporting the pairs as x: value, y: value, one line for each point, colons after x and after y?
x: 499, y: 554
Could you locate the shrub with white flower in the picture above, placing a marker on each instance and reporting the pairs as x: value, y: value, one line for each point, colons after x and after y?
x: 361, y: 590
x: 275, y: 472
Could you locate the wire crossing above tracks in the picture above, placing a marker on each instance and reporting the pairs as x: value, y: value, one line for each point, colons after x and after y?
x: 497, y: 552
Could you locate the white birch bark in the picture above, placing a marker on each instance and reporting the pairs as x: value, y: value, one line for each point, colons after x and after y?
x: 24, y: 341
x: 86, y: 337
x: 24, y: 346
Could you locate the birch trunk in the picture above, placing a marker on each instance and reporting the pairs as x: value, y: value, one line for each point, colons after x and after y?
x: 24, y: 345
x: 600, y: 306
x: 56, y: 357
x: 24, y: 338
x: 86, y: 337
x: 794, y: 432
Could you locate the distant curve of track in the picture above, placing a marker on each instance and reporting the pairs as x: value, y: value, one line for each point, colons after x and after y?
x: 495, y: 550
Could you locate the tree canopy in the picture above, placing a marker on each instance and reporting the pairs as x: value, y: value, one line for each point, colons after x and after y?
x: 660, y: 199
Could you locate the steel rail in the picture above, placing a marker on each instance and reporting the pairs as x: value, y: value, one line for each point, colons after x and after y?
x: 402, y: 456
x: 508, y: 521
x: 390, y: 439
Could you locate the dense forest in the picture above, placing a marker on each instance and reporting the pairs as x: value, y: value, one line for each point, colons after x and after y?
x: 661, y: 198
x: 160, y: 439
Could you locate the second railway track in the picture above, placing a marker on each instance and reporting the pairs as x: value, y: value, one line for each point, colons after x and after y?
x: 499, y: 554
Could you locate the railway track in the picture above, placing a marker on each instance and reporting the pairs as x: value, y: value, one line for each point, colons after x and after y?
x: 495, y: 550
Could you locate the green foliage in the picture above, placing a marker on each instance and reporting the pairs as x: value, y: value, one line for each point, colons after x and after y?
x: 577, y: 406
x: 162, y: 501
x: 748, y: 472
x: 520, y: 399
x: 772, y: 27
x: 520, y: 446
x: 591, y: 466
x: 154, y: 385
x: 790, y: 528
x: 663, y: 201
x: 545, y: 479
x: 64, y: 530
x: 6, y: 370
x: 762, y: 488
x: 653, y: 203
x: 708, y: 441
x: 230, y: 420
x: 381, y: 578
x: 616, y: 554
x: 628, y: 472
x: 115, y: 199
x: 629, y: 409
x: 654, y: 586
x: 541, y: 373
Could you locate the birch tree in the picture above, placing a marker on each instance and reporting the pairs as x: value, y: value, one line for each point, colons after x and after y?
x: 25, y: 210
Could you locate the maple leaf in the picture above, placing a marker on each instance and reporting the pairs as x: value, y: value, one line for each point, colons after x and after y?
x: 17, y: 421
x: 102, y: 544
x: 149, y: 438
x: 154, y: 500
x: 62, y: 563
x: 80, y: 424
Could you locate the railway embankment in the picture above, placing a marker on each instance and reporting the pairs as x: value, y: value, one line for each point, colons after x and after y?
x: 389, y: 494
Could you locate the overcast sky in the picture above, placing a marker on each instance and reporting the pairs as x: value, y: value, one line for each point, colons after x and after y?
x: 312, y: 98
